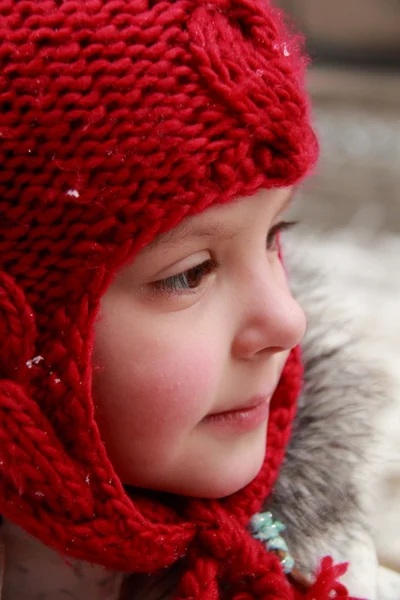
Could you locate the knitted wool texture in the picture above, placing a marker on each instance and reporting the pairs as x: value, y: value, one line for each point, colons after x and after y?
x: 117, y: 119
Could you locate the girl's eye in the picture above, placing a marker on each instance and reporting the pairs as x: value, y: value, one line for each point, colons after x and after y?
x: 193, y: 278
x: 273, y: 234
x: 188, y: 280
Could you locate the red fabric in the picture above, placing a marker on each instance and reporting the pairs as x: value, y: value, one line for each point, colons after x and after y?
x: 117, y: 119
x: 326, y: 585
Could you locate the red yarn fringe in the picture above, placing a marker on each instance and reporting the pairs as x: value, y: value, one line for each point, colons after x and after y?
x: 327, y: 586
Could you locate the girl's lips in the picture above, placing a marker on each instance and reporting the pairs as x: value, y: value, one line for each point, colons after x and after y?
x: 252, y: 414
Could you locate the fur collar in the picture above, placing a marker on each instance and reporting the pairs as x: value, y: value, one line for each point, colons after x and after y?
x: 321, y: 494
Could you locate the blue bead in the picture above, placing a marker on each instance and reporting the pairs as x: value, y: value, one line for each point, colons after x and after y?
x: 287, y: 563
x: 280, y: 526
x: 277, y: 543
x: 264, y: 528
x: 260, y: 519
x: 266, y: 532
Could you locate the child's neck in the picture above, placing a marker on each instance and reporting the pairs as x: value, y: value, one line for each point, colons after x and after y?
x: 34, y: 571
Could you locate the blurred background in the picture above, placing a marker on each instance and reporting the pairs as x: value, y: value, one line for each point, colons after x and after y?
x: 350, y: 208
x: 355, y: 84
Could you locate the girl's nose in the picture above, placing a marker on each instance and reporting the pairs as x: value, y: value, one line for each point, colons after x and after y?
x: 270, y: 318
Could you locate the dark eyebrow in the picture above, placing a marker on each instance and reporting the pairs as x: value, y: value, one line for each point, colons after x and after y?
x: 178, y: 234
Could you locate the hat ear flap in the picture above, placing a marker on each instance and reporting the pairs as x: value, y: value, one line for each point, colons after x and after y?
x: 29, y: 464
x: 33, y: 464
x: 18, y: 331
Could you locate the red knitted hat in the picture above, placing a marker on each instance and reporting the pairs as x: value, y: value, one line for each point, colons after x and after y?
x: 119, y: 118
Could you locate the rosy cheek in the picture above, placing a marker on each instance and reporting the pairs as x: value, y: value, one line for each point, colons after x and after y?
x: 155, y: 385
x: 179, y: 386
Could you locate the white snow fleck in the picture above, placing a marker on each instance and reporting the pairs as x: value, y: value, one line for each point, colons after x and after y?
x: 34, y: 361
x: 282, y: 48
x: 73, y: 193
x: 57, y: 380
x: 87, y: 479
x: 39, y: 494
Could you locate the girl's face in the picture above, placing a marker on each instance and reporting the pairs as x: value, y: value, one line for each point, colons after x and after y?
x: 190, y: 345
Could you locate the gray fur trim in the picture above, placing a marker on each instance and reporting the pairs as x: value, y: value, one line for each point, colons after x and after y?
x: 320, y: 494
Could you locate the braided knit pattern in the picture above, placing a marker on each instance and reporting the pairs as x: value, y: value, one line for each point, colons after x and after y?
x: 119, y: 118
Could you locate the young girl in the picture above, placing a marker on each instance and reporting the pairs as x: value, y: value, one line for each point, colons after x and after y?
x: 150, y: 362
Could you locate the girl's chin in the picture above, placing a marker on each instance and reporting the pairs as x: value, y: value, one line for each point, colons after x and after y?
x: 212, y: 488
x: 211, y: 478
x: 221, y: 485
x: 227, y: 488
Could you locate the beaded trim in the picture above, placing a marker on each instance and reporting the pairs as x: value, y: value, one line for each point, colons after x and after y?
x: 265, y: 528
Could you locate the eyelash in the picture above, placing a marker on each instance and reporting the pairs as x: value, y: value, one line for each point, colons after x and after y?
x: 275, y: 230
x: 179, y: 284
